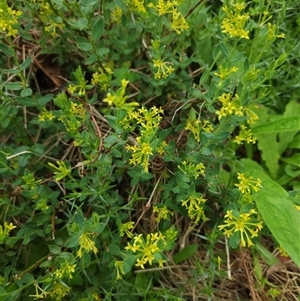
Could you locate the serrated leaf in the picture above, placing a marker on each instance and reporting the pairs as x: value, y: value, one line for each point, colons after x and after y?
x: 285, y: 124
x: 185, y: 253
x: 97, y: 30
x: 278, y: 211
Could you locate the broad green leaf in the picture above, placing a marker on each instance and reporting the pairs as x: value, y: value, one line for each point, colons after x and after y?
x: 291, y: 109
x: 128, y: 262
x: 54, y: 249
x: 277, y: 210
x: 285, y: 124
x: 102, y: 51
x: 26, y: 92
x: 81, y: 24
x: 185, y: 253
x: 83, y: 44
x: 98, y: 29
x: 268, y: 146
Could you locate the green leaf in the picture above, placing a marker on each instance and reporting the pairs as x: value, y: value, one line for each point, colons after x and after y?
x: 15, y: 86
x: 54, y: 249
x: 81, y: 24
x: 278, y: 211
x: 97, y: 30
x: 6, y: 50
x: 26, y: 92
x: 185, y: 253
x: 26, y: 63
x: 266, y: 255
x: 224, y: 50
x: 72, y: 242
x: 284, y: 124
x: 128, y: 262
x: 83, y: 44
x: 102, y: 51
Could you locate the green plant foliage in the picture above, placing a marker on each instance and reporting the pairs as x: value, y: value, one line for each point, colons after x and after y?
x: 278, y: 211
x: 128, y: 134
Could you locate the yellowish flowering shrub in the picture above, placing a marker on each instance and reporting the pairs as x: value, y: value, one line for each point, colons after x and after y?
x: 130, y: 132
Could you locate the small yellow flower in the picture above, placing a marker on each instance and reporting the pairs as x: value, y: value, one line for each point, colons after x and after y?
x: 163, y: 213
x: 125, y: 229
x: 230, y: 106
x: 235, y: 21
x: 59, y: 291
x: 116, y: 15
x: 86, y: 244
x: 245, y: 135
x: 179, y: 23
x: 194, y: 204
x: 245, y: 223
x: 164, y: 7
x: 46, y: 115
x: 164, y: 69
x: 246, y: 184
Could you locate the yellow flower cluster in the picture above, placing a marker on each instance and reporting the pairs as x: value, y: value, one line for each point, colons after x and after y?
x: 164, y: 69
x: 192, y: 170
x: 148, y: 120
x: 4, y: 231
x: 235, y: 21
x: 118, y: 98
x: 59, y: 291
x: 193, y: 126
x: 230, y: 105
x: 244, y: 135
x: 162, y: 213
x: 136, y: 6
x: 49, y: 18
x: 224, y: 73
x: 178, y: 22
x: 246, y: 224
x: 102, y: 78
x: 86, y: 244
x: 140, y: 153
x: 116, y: 15
x: 66, y: 270
x: 246, y: 184
x: 9, y: 19
x: 147, y: 248
x: 194, y: 204
x: 125, y: 229
x: 46, y: 115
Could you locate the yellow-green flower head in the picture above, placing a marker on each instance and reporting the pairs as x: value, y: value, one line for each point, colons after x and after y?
x: 234, y: 22
x: 246, y: 224
x: 247, y: 184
